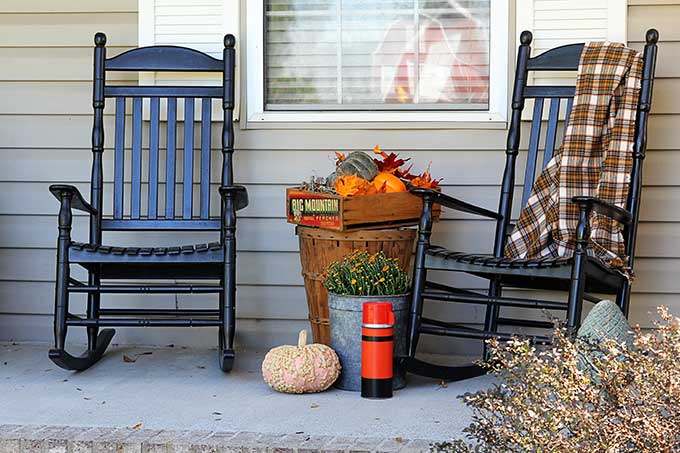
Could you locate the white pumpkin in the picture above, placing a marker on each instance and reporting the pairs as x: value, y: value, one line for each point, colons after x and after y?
x: 301, y: 369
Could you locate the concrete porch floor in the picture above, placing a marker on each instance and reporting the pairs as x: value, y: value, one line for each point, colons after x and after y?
x: 183, y: 389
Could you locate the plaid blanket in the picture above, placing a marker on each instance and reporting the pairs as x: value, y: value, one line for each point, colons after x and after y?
x: 595, y: 159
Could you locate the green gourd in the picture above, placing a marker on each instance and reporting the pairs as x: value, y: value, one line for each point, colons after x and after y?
x: 357, y: 163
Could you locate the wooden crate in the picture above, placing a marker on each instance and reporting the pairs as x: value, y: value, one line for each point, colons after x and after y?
x: 333, y: 212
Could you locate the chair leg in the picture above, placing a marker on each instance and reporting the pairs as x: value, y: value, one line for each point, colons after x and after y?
x: 623, y: 298
x: 492, y: 313
x: 578, y: 278
x: 228, y: 294
x: 419, y: 276
x: 61, y: 303
x: 226, y: 333
x: 93, y: 302
x: 576, y: 292
x: 61, y: 299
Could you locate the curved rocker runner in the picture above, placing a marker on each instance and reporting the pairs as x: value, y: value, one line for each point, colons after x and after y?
x: 215, y: 261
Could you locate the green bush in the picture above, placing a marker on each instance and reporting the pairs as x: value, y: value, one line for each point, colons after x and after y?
x: 363, y: 274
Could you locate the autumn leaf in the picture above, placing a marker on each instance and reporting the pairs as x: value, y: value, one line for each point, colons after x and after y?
x: 349, y: 185
x: 390, y: 163
x: 314, y: 406
x: 133, y: 359
x: 377, y: 150
x: 424, y: 180
x: 137, y: 426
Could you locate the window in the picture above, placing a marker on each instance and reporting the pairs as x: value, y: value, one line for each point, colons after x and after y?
x: 383, y: 55
x: 377, y: 60
x: 355, y: 60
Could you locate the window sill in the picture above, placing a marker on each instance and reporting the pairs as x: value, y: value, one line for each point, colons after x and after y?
x: 374, y: 120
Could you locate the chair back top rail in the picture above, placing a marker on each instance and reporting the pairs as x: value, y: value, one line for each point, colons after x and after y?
x: 164, y: 58
x: 563, y: 58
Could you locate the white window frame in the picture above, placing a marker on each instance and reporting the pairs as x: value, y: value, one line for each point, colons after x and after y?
x: 498, y: 82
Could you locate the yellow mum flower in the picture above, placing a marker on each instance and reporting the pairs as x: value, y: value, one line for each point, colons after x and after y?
x: 354, y: 282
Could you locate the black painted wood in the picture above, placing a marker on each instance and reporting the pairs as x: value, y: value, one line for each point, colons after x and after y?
x: 161, y: 224
x: 570, y: 104
x: 578, y: 275
x: 154, y: 135
x: 188, y: 159
x: 135, y: 91
x: 164, y: 58
x: 532, y: 156
x: 170, y: 163
x: 206, y: 112
x: 563, y: 58
x: 119, y: 159
x: 551, y: 133
x: 203, y: 261
x: 548, y: 91
x: 136, y: 159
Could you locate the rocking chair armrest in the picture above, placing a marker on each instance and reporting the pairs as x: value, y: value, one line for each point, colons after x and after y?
x: 238, y: 193
x: 453, y: 203
x: 607, y: 209
x: 77, y: 201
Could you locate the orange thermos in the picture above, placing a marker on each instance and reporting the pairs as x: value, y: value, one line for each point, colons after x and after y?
x: 377, y: 346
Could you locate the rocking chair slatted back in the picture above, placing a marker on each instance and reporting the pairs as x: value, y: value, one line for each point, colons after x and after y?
x: 565, y: 58
x: 550, y: 136
x: 173, y: 218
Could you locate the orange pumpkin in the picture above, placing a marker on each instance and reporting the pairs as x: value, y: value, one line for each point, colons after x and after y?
x: 390, y: 182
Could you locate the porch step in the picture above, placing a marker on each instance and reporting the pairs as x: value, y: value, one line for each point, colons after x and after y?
x: 52, y: 439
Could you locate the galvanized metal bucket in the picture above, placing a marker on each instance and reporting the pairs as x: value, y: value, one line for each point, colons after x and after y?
x: 345, y: 319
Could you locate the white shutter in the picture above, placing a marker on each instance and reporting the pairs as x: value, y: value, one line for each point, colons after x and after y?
x: 197, y: 24
x: 559, y: 22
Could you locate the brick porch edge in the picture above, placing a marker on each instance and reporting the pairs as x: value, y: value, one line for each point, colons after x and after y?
x: 71, y: 439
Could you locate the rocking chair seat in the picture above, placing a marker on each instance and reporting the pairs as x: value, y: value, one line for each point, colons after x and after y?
x: 190, y: 261
x: 545, y: 273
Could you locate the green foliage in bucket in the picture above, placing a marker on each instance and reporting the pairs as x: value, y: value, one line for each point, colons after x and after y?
x: 363, y: 274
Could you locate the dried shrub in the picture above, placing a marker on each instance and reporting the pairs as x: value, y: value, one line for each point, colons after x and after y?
x: 577, y: 396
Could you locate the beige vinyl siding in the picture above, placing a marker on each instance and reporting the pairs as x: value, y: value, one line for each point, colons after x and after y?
x: 45, y: 73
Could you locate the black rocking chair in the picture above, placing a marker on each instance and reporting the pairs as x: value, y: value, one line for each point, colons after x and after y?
x: 215, y: 261
x: 579, y: 276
